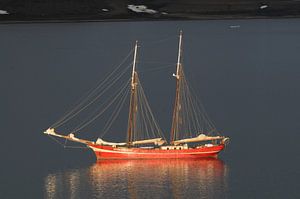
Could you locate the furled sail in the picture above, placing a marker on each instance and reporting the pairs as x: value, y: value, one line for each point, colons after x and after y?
x: 156, y: 141
x: 102, y: 142
x: 199, y: 138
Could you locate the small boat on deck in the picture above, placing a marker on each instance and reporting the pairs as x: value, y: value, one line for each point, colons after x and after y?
x: 192, y: 134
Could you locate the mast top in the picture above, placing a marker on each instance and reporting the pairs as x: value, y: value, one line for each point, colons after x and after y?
x: 134, y: 65
x: 179, y: 55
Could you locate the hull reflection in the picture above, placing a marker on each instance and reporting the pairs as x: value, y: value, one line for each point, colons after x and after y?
x: 160, y: 178
x: 191, y: 178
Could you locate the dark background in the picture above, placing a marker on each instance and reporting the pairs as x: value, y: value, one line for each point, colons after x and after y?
x: 32, y: 10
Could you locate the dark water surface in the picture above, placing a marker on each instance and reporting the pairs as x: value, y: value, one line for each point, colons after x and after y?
x: 247, y: 73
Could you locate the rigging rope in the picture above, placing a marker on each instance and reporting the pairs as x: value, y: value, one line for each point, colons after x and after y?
x: 146, y: 125
x: 89, y: 94
x: 114, y: 115
x: 201, y: 109
x: 192, y: 118
x: 156, y: 69
x: 152, y: 42
x: 53, y: 138
x: 95, y: 98
x: 87, y: 122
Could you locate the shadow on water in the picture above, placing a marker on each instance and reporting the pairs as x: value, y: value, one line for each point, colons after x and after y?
x: 202, y: 178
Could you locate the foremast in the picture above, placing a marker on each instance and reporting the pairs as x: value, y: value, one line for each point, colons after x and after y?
x: 133, y: 100
x: 177, y: 97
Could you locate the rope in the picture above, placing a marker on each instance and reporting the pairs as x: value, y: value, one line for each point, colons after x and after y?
x: 97, y: 97
x: 75, y: 147
x: 84, y: 124
x: 114, y: 115
x: 156, y: 69
x: 151, y: 42
x: 192, y: 117
x: 65, y: 146
x: 65, y: 118
x: 56, y: 140
x: 145, y: 121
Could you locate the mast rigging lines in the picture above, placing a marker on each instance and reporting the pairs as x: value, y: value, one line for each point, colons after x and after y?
x: 189, y: 117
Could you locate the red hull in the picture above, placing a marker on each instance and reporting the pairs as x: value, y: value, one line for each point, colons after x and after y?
x: 108, y: 152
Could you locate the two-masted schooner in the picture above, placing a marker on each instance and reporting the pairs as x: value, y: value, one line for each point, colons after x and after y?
x: 191, y: 133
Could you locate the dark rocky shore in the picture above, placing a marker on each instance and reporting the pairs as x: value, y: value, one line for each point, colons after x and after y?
x: 77, y: 10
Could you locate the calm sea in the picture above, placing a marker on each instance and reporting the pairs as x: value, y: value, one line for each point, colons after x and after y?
x: 246, y: 72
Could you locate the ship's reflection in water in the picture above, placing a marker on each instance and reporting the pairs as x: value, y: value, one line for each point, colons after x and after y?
x: 203, y: 178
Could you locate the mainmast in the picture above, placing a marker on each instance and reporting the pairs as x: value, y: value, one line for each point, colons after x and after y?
x: 177, y: 103
x: 133, y: 100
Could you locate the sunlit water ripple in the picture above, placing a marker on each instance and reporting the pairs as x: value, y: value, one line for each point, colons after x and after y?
x: 205, y: 178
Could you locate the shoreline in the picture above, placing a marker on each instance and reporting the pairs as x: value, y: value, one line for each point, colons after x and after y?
x: 37, y: 21
x: 77, y: 11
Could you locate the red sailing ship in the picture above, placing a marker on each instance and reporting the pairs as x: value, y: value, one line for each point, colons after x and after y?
x: 193, y: 135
